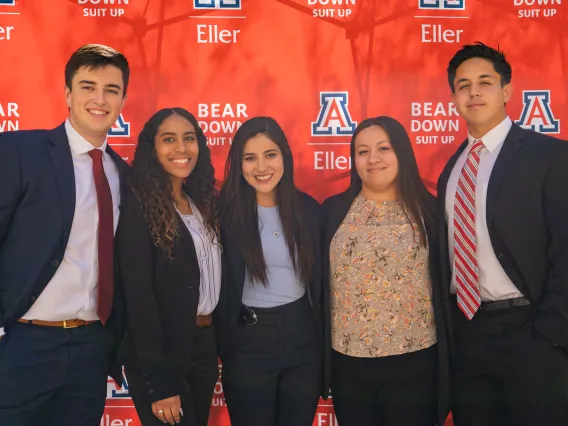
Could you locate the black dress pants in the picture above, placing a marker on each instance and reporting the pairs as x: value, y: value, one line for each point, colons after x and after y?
x: 504, y: 373
x: 273, y: 376
x: 397, y: 390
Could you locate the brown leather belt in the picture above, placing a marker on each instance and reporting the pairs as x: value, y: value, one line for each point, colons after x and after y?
x: 203, y: 321
x: 73, y: 323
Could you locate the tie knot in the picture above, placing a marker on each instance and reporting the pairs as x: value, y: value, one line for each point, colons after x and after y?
x: 477, y: 146
x: 96, y: 154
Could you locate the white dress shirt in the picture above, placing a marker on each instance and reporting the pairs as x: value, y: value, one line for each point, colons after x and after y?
x: 493, y: 281
x: 208, y: 253
x: 72, y: 292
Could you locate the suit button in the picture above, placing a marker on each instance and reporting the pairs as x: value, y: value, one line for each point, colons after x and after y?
x: 446, y: 296
x: 55, y: 263
x: 148, y: 382
x: 150, y: 391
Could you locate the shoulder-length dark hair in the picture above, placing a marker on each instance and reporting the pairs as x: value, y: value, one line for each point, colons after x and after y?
x: 418, y: 202
x: 238, y: 206
x: 152, y: 185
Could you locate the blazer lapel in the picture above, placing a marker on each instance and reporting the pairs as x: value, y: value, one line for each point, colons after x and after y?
x: 508, y: 152
x: 122, y: 167
x: 60, y: 153
x: 187, y: 240
x: 445, y: 176
x: 337, y: 215
x: 234, y: 260
x: 238, y: 269
x: 445, y: 267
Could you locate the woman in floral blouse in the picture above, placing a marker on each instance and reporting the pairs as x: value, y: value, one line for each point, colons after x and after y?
x: 389, y: 360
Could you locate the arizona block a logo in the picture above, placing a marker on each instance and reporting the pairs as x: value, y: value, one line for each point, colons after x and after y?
x: 334, y: 118
x: 120, y: 129
x: 537, y: 114
x: 442, y: 4
x: 216, y: 4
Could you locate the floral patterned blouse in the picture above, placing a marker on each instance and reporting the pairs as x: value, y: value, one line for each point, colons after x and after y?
x: 381, y: 300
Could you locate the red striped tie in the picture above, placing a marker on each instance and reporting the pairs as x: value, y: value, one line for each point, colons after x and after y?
x: 465, y: 249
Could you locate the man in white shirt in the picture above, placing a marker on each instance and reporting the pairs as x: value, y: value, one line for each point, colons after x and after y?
x: 60, y: 193
x: 503, y: 221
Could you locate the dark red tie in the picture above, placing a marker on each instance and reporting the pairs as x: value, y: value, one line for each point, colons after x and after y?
x: 105, y: 236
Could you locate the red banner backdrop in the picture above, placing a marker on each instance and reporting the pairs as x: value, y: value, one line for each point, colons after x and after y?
x: 318, y: 66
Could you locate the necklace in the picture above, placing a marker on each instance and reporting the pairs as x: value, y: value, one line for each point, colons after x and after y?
x: 275, y: 233
x: 185, y: 207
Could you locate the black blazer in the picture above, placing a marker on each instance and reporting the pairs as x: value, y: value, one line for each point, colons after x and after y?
x: 161, y: 296
x: 234, y: 278
x: 37, y: 204
x: 527, y: 217
x: 335, y: 209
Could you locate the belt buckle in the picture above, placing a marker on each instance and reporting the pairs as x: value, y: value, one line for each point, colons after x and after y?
x: 68, y: 326
x: 252, y: 314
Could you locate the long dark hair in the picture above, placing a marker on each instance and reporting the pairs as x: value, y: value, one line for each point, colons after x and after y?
x: 238, y: 206
x: 152, y: 185
x: 412, y: 192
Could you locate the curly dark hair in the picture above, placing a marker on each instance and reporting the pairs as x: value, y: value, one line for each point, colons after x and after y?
x: 152, y: 186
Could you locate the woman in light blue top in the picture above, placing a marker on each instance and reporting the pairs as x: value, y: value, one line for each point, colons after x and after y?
x: 271, y: 335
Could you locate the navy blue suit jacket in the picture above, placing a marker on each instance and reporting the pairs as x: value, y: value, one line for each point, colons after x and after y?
x: 37, y: 204
x: 527, y: 218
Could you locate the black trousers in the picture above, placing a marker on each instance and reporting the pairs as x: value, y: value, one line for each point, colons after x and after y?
x: 397, y: 390
x: 196, y: 387
x: 505, y: 373
x: 51, y: 376
x: 273, y: 376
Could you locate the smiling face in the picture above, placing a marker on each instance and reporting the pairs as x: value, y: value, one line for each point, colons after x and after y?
x: 262, y: 167
x: 376, y: 163
x: 176, y: 147
x: 479, y: 98
x: 95, y: 101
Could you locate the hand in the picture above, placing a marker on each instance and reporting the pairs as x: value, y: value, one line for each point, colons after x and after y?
x: 171, y: 408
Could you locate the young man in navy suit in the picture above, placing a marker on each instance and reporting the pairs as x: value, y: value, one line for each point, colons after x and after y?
x: 503, y: 221
x: 60, y: 193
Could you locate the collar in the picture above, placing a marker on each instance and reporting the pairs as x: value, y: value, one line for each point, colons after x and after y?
x: 79, y: 145
x: 494, y: 137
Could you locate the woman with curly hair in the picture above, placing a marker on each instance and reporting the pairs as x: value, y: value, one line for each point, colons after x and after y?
x: 169, y: 261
